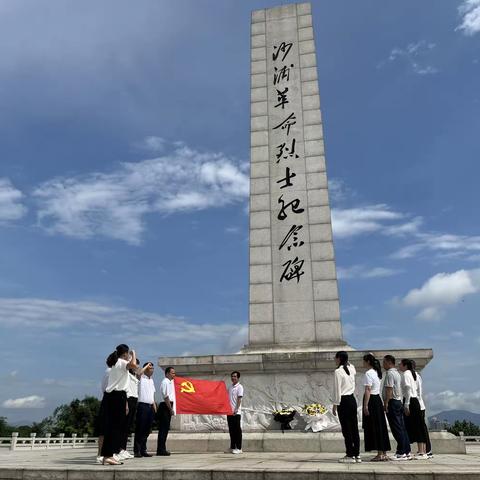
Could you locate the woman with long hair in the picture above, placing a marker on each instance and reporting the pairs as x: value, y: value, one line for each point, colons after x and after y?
x: 414, y: 420
x: 101, y: 417
x: 345, y: 404
x: 419, y: 385
x: 374, y: 423
x: 116, y: 402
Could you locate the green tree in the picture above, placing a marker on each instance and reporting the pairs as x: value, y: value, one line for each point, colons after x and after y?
x: 468, y: 428
x: 76, y: 417
x: 5, y: 428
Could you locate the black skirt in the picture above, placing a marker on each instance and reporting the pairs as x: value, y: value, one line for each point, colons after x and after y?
x: 415, y: 422
x: 100, y: 421
x: 375, y: 426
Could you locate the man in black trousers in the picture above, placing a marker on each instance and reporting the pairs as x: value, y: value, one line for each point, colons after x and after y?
x: 165, y: 410
x: 146, y: 409
x: 392, y: 401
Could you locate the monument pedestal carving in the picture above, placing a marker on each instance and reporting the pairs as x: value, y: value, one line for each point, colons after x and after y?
x: 271, y: 380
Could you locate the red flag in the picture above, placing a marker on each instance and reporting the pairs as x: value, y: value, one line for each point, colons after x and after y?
x: 206, y: 397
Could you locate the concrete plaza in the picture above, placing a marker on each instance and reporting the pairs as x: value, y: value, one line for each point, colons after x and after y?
x: 79, y: 464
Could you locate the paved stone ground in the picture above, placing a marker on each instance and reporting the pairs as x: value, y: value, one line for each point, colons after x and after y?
x: 78, y: 464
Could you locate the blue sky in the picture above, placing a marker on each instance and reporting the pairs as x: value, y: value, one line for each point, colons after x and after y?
x: 124, y: 143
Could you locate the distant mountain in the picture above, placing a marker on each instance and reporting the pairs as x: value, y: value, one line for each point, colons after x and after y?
x: 451, y: 416
x: 21, y: 423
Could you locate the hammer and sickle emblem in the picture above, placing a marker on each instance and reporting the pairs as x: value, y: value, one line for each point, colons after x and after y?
x: 187, y: 387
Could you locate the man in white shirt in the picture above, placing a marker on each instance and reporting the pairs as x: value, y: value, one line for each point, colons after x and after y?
x: 392, y: 401
x: 146, y: 409
x: 166, y: 410
x: 235, y: 392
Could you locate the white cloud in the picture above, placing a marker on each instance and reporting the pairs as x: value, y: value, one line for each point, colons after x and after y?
x: 444, y: 245
x: 449, y: 400
x: 349, y: 222
x: 34, y: 401
x: 11, y: 207
x: 115, y: 204
x: 153, y: 144
x: 441, y: 290
x: 361, y: 271
x: 156, y: 329
x: 470, y: 12
x: 415, y: 55
x: 338, y: 191
x: 385, y: 220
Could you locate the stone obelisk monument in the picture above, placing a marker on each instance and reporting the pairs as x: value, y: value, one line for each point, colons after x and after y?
x: 293, y: 285
x: 294, y: 316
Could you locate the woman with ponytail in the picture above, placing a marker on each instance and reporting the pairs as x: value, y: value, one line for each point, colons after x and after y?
x: 344, y: 402
x: 374, y: 423
x: 121, y: 360
x: 414, y: 420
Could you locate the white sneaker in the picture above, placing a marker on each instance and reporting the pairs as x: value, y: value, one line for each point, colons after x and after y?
x: 358, y: 460
x: 127, y: 455
x: 400, y: 457
x: 237, y: 451
x: 100, y: 460
x: 346, y: 459
x: 421, y: 456
x: 117, y: 457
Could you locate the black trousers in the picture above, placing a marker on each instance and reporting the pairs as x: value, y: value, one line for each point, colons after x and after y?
x: 428, y: 446
x: 115, y: 416
x: 415, y: 422
x: 396, y: 420
x: 347, y: 414
x: 235, y: 430
x: 143, y: 427
x: 164, y: 418
x: 132, y: 408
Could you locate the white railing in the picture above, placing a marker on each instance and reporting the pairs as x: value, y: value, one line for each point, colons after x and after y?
x: 33, y: 442
x: 470, y: 438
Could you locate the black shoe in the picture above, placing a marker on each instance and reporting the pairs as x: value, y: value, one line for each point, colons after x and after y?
x: 137, y: 455
x: 166, y: 453
x: 146, y: 455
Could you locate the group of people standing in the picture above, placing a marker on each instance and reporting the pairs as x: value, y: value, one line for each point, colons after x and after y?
x: 128, y: 403
x: 128, y: 398
x: 394, y: 396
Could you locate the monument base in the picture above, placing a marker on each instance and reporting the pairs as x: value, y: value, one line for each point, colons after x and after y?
x: 273, y: 380
x: 292, y: 441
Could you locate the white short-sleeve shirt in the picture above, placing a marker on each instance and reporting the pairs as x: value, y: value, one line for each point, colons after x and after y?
x: 118, y: 377
x: 132, y: 390
x: 234, y: 392
x: 371, y: 380
x: 105, y: 380
x: 146, y: 390
x: 167, y: 389
x: 419, y: 385
x: 344, y: 384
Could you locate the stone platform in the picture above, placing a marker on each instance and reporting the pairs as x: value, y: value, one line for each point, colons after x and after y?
x: 78, y: 464
x: 290, y: 441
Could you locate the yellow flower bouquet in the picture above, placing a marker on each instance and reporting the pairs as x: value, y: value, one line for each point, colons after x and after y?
x: 315, y: 409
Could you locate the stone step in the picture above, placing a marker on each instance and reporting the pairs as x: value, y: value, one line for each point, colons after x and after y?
x: 290, y: 441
